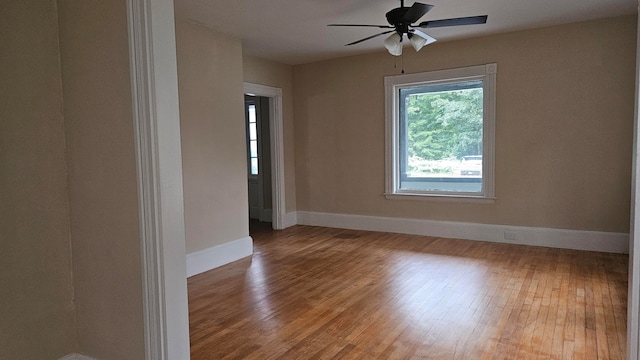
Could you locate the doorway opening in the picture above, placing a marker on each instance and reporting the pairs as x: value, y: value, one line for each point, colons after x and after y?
x: 265, y: 165
x: 258, y: 159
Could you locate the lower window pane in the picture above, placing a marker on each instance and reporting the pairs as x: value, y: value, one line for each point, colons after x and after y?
x: 435, y: 184
x: 254, y: 166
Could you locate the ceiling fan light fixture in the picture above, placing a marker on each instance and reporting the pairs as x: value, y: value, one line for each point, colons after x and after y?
x: 403, y: 20
x: 394, y: 44
x: 417, y: 41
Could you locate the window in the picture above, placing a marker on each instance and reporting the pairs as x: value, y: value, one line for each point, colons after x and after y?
x: 440, y: 134
x: 252, y: 126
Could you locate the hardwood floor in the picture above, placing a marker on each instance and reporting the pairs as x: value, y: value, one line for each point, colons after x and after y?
x: 320, y: 293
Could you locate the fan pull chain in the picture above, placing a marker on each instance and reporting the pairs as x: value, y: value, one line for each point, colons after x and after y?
x: 395, y: 65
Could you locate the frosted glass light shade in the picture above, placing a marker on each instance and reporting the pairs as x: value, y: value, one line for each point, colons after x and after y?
x: 417, y: 41
x: 394, y: 44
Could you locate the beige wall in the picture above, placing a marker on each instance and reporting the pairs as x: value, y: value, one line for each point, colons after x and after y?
x: 102, y: 178
x: 212, y: 129
x: 563, y: 128
x: 36, y: 297
x: 265, y: 72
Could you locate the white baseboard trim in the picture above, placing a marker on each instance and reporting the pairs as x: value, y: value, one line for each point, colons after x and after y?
x: 216, y: 256
x: 532, y: 236
x: 76, y: 357
x: 290, y: 219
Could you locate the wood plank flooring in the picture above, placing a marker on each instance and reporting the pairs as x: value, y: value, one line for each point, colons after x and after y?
x: 320, y: 293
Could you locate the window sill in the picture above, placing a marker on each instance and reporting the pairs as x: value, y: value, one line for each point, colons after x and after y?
x: 441, y: 198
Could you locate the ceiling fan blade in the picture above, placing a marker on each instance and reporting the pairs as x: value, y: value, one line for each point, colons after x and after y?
x: 471, y: 20
x: 364, y: 25
x: 415, y: 12
x: 424, y: 36
x: 370, y: 37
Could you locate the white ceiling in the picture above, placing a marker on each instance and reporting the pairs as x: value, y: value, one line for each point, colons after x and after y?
x: 295, y: 31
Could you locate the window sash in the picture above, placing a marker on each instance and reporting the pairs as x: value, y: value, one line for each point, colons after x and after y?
x: 458, y: 184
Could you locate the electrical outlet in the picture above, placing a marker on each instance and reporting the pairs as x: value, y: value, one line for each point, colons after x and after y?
x: 510, y: 235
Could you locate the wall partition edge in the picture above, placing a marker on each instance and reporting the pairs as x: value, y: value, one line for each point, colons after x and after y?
x: 276, y: 129
x: 152, y: 53
x: 633, y: 300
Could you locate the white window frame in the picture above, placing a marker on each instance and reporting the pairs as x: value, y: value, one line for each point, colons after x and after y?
x: 393, y: 84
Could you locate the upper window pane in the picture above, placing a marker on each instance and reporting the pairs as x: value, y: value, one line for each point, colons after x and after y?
x: 440, y: 131
x: 252, y: 113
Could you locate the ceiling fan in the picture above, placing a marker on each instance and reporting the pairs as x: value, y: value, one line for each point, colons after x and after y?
x: 402, y: 22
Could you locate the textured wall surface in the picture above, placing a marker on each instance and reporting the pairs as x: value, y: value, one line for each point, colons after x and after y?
x: 37, y: 319
x: 565, y: 105
x: 102, y: 178
x: 214, y: 162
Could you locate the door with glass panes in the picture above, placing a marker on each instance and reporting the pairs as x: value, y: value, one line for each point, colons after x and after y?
x: 258, y: 157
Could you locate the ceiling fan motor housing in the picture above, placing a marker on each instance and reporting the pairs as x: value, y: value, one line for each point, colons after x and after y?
x: 402, y: 17
x: 394, y: 17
